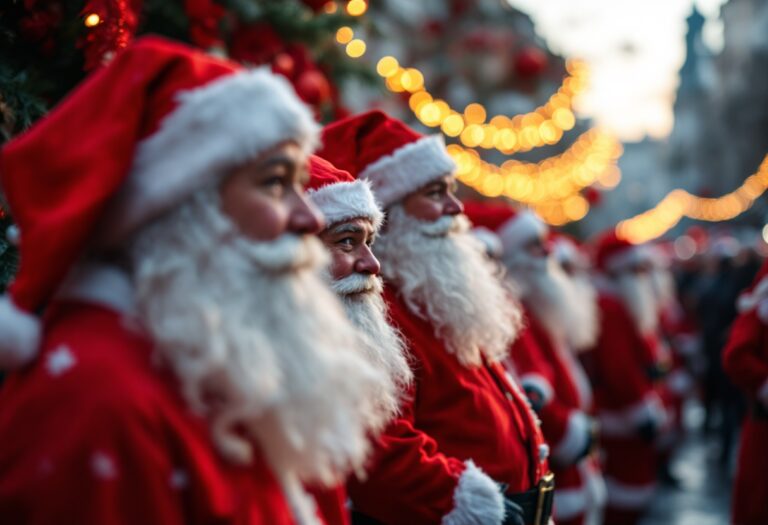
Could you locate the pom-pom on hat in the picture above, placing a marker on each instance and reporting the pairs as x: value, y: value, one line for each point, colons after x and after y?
x: 615, y: 254
x: 339, y: 196
x: 137, y: 137
x: 396, y: 159
x: 514, y: 228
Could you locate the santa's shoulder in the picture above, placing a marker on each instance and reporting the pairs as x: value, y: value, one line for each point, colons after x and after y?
x: 94, y: 366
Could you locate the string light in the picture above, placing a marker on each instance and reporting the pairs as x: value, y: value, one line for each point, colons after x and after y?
x: 543, y: 126
x: 356, y: 7
x: 679, y: 203
x: 92, y: 20
x: 550, y: 185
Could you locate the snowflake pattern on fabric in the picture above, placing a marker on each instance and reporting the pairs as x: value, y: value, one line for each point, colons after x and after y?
x: 59, y: 361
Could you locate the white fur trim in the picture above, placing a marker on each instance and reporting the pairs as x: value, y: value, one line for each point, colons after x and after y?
x: 302, y: 504
x: 408, y: 168
x: 100, y: 284
x: 19, y: 335
x: 477, y: 500
x: 575, y: 439
x: 623, y: 496
x: 490, y: 240
x: 756, y: 299
x: 520, y: 229
x: 540, y: 383
x: 625, y: 422
x: 762, y: 393
x: 627, y: 258
x: 214, y: 128
x: 570, y: 502
x: 344, y: 201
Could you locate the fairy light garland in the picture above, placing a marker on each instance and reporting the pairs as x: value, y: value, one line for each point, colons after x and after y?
x: 551, y: 186
x: 679, y: 203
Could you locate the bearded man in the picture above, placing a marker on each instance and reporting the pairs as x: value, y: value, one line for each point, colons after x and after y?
x: 353, y: 220
x: 625, y: 371
x: 544, y: 359
x: 192, y: 365
x: 461, y: 414
x: 745, y: 360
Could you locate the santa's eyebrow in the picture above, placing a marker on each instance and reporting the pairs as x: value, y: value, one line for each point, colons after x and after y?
x: 347, y: 228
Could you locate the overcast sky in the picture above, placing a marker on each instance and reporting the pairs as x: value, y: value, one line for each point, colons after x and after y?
x: 635, y: 50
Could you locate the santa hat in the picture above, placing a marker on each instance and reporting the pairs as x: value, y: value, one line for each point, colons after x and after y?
x: 615, y: 254
x: 567, y: 250
x: 396, y: 159
x: 514, y: 228
x: 339, y: 196
x: 133, y: 140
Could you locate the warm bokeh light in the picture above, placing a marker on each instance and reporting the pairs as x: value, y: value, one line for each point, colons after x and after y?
x: 344, y: 35
x: 92, y: 20
x: 356, y: 48
x: 356, y: 7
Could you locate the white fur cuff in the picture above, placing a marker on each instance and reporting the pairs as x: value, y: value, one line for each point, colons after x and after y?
x: 409, y: 168
x: 477, y: 500
x: 344, y: 201
x: 19, y: 335
x: 574, y: 441
x: 540, y: 384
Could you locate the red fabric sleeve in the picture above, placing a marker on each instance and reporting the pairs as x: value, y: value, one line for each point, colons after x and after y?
x: 409, y: 480
x: 745, y: 358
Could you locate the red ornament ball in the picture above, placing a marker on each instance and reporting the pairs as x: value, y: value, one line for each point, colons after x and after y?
x: 593, y: 196
x: 284, y: 64
x: 530, y: 62
x: 313, y: 87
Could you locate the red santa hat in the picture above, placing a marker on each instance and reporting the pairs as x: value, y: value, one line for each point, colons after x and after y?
x: 133, y: 140
x: 339, y: 196
x: 615, y: 254
x: 514, y: 228
x: 568, y: 250
x: 396, y: 159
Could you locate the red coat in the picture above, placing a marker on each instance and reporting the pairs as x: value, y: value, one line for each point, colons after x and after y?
x: 454, y: 413
x: 93, y: 433
x: 746, y: 362
x: 331, y: 505
x: 567, y: 400
x: 626, y: 397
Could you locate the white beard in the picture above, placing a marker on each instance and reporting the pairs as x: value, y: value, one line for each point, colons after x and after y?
x: 636, y: 291
x: 383, y: 345
x: 444, y: 276
x: 663, y: 283
x: 568, y: 311
x: 261, y: 346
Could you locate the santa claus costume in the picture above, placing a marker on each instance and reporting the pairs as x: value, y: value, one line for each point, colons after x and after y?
x: 157, y: 383
x: 544, y: 359
x: 343, y: 201
x: 745, y: 360
x: 466, y: 444
x: 623, y: 372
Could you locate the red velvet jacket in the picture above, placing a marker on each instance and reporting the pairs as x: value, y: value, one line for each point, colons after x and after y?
x: 453, y: 414
x: 540, y: 364
x: 92, y: 433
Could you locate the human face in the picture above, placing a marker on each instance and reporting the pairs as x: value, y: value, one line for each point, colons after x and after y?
x: 435, y: 200
x: 537, y: 247
x: 350, y: 245
x: 265, y: 197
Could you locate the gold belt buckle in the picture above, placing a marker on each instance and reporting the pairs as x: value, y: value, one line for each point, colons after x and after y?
x: 547, y: 484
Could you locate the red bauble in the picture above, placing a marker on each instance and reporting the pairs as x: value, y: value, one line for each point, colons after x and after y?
x: 284, y: 64
x: 313, y: 87
x: 204, y: 17
x: 593, y: 196
x: 530, y: 62
x: 315, y: 5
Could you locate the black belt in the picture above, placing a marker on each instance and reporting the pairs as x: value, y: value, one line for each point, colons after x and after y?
x: 537, y: 502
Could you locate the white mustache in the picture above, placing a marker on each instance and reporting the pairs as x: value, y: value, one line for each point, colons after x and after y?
x: 357, y: 283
